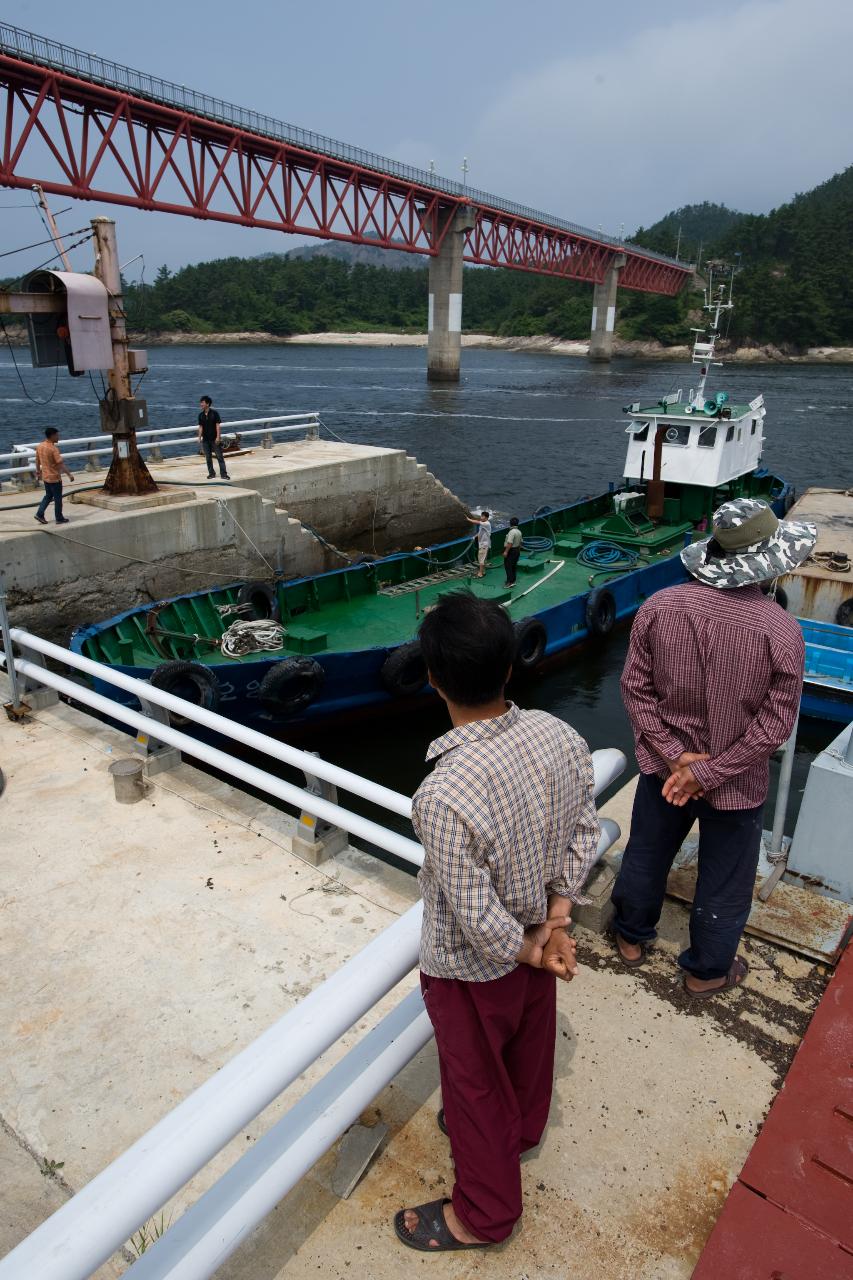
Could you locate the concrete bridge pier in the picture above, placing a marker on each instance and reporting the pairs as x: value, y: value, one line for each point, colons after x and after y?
x: 444, y: 342
x: 604, y: 312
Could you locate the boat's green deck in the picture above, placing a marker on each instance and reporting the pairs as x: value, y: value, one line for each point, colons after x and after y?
x: 370, y: 620
x: 378, y: 606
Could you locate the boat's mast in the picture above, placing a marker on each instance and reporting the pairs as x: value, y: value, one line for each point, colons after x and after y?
x: 703, y: 351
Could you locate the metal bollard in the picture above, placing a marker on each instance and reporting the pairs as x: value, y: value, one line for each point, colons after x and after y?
x: 127, y: 780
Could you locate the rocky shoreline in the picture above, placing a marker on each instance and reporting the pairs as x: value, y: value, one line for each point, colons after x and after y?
x: 646, y: 350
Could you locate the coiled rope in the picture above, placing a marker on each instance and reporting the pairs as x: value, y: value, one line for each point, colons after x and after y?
x: 251, y: 637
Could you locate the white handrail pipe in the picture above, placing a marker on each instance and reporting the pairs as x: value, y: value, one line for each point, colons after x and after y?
x: 352, y: 782
x: 401, y: 846
x: 86, y: 1231
x: 213, y: 1228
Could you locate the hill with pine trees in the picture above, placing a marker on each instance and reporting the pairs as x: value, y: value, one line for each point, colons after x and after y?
x: 793, y: 286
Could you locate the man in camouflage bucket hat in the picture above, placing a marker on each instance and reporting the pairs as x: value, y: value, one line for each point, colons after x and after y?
x: 711, y: 684
x: 748, y: 544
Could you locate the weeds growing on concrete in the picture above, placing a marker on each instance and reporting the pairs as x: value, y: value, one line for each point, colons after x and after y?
x: 149, y: 1233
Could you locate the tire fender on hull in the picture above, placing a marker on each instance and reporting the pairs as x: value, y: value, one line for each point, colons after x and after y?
x: 291, y: 686
x: 404, y: 671
x: 600, y: 611
x: 530, y: 641
x: 191, y: 681
x: 262, y: 599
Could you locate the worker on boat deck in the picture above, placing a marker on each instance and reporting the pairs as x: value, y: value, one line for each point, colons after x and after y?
x: 210, y: 437
x: 49, y: 470
x: 712, y: 684
x: 484, y: 539
x: 512, y: 551
x: 509, y: 828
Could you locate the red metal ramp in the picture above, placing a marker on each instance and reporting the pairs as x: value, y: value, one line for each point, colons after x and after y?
x: 790, y: 1214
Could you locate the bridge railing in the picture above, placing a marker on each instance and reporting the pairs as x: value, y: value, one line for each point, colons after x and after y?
x: 89, y: 66
x: 88, y: 1229
x: 23, y: 455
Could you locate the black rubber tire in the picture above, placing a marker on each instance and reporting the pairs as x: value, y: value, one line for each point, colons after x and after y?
x: 780, y: 595
x: 191, y: 681
x: 844, y: 613
x: 530, y: 641
x: 291, y: 686
x: 404, y: 671
x: 600, y: 612
x: 263, y: 600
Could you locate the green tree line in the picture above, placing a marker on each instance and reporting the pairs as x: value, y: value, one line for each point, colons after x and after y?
x: 794, y: 269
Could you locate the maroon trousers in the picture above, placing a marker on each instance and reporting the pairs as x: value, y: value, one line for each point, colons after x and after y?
x: 496, y: 1056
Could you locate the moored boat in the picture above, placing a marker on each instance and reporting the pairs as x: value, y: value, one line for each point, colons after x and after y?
x: 284, y: 653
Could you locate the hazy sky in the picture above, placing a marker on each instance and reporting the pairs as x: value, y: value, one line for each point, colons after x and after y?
x: 603, y: 113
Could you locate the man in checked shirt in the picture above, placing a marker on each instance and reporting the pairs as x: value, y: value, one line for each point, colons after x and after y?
x: 711, y: 685
x: 509, y: 827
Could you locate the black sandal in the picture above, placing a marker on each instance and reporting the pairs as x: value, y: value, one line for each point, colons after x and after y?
x: 431, y: 1226
x: 442, y: 1122
x: 734, y: 978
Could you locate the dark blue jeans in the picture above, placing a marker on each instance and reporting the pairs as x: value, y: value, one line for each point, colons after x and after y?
x: 211, y: 447
x: 52, y: 494
x: 729, y: 843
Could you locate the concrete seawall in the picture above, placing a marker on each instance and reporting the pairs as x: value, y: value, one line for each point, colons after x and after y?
x: 356, y: 496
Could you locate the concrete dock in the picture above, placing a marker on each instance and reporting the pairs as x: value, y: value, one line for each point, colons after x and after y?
x: 144, y: 945
x: 358, y: 496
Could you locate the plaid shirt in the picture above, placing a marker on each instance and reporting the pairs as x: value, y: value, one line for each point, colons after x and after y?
x: 716, y: 671
x: 506, y: 818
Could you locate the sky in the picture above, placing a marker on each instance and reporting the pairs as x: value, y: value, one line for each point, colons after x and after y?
x: 608, y: 114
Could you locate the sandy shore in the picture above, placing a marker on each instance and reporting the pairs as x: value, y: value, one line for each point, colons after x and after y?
x: 554, y: 346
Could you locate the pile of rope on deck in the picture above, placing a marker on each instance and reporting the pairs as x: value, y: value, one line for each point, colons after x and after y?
x: 244, y: 637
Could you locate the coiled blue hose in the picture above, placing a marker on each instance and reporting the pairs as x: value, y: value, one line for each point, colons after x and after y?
x: 607, y: 555
x: 534, y: 543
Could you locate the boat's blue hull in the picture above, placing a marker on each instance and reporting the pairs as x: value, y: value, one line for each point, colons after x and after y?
x: 352, y: 685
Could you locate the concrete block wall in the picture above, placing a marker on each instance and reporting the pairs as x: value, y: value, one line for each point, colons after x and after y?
x: 375, y: 504
x: 98, y: 567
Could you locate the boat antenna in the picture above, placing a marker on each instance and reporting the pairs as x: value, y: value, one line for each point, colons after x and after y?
x: 703, y: 346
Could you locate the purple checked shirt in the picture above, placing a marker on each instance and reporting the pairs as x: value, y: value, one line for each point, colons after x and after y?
x: 506, y: 818
x: 716, y: 671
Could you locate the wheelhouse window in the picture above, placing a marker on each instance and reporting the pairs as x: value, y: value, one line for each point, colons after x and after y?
x: 679, y: 435
x: 754, y: 426
x: 730, y: 434
x: 707, y: 437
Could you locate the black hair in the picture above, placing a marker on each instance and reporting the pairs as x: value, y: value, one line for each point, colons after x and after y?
x: 484, y: 515
x: 206, y: 399
x: 50, y: 431
x: 513, y: 521
x: 468, y: 645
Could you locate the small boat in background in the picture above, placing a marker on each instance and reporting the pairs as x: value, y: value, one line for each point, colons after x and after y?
x: 286, y: 653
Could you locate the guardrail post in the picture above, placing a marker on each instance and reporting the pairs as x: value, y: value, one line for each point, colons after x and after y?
x: 313, y: 432
x: 27, y: 693
x: 158, y: 756
x: 266, y: 442
x: 154, y: 452
x: 317, y: 840
x: 91, y: 457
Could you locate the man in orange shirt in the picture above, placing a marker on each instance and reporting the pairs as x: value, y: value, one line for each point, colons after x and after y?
x: 49, y: 468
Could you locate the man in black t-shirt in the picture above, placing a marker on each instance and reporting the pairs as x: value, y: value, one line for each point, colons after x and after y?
x: 210, y: 437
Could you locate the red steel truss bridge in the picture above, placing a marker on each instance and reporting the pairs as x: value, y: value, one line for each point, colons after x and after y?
x: 85, y: 127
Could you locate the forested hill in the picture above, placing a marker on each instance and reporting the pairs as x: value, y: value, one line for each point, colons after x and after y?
x: 794, y: 285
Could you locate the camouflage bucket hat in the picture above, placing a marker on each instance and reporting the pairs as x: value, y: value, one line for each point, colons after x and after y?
x: 748, y: 545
